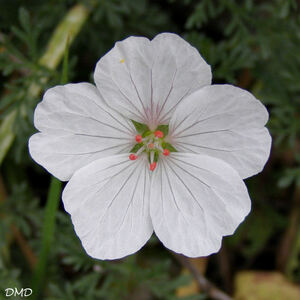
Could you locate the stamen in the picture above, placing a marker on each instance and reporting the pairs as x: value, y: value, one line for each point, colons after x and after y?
x: 151, y: 157
x: 159, y: 147
x: 133, y: 156
x: 138, y: 138
x: 159, y: 134
x: 153, y: 166
x: 166, y: 152
x: 140, y: 150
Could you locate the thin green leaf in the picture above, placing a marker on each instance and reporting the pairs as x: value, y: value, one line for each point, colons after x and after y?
x: 48, y: 235
x: 136, y: 147
x: 169, y: 147
x: 156, y: 156
x: 146, y: 133
x: 140, y: 127
x: 64, y: 76
x: 24, y: 18
x: 164, y: 129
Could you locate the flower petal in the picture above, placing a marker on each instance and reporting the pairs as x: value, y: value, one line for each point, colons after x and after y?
x: 195, y: 200
x: 178, y: 70
x: 225, y: 122
x: 109, y: 204
x: 77, y: 128
x: 146, y: 80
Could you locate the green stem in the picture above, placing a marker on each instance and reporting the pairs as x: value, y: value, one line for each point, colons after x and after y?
x: 47, y: 239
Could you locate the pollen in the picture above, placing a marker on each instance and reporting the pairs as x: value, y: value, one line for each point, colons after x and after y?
x: 153, y: 166
x: 122, y: 60
x: 138, y: 138
x: 133, y: 156
x: 166, y: 152
x: 159, y: 134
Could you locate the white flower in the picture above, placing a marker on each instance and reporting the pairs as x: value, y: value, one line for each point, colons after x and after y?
x: 126, y: 182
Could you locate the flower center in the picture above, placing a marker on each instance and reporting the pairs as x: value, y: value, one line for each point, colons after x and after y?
x: 151, y: 143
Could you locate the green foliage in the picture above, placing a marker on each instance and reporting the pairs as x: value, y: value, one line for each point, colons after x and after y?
x: 252, y: 44
x: 169, y: 147
x: 293, y: 266
x: 264, y: 41
x: 164, y: 129
x: 290, y: 176
x: 251, y: 235
x: 136, y: 147
x: 140, y: 127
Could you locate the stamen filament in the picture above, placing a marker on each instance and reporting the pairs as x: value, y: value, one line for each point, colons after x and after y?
x: 151, y: 157
x: 140, y: 150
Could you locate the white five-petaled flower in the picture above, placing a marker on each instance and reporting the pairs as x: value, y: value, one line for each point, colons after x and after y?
x: 125, y: 177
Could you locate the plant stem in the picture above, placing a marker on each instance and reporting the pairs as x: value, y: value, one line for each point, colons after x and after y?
x: 205, y: 285
x: 47, y: 237
x: 290, y: 236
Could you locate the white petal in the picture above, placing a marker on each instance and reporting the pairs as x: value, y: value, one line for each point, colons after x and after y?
x: 109, y: 204
x: 145, y: 80
x: 195, y: 200
x: 178, y: 71
x: 77, y: 128
x: 225, y: 122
